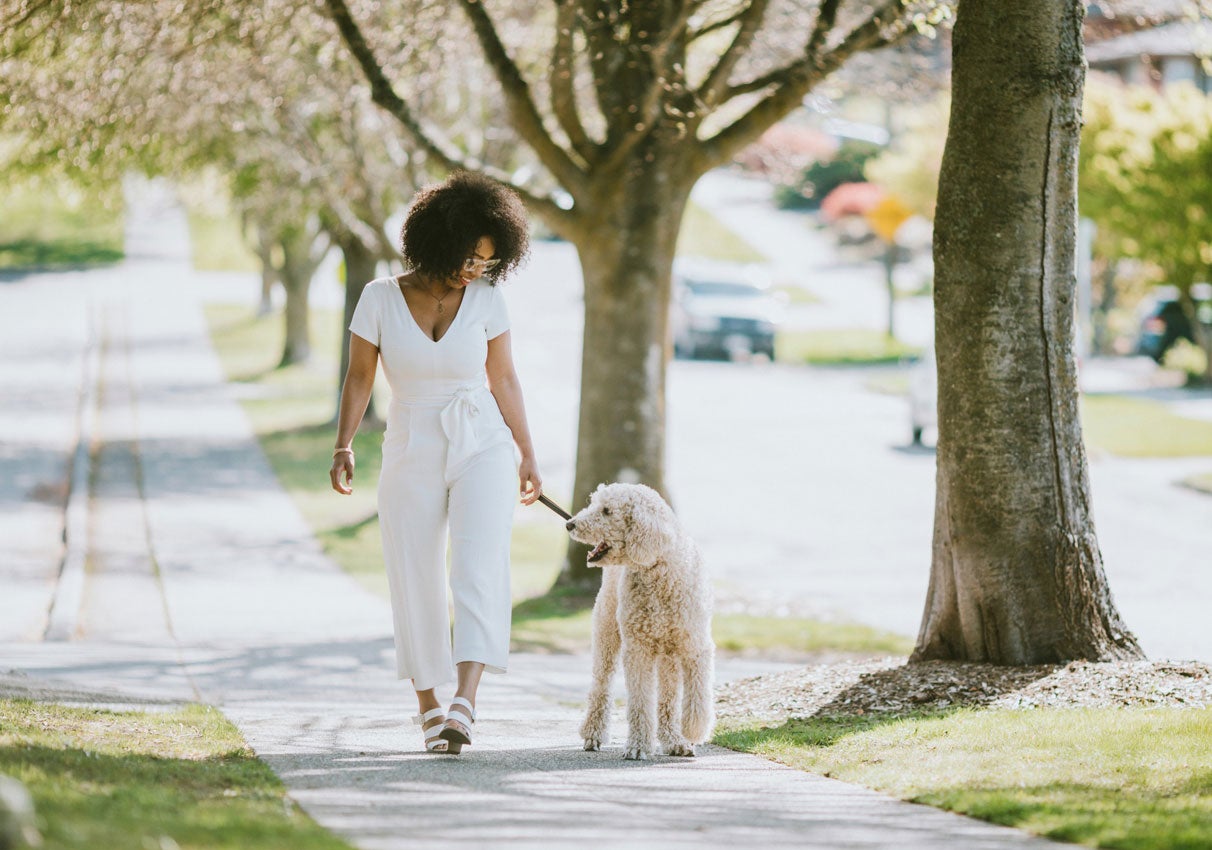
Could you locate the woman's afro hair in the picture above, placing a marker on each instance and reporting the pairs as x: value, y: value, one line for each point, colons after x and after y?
x: 447, y: 220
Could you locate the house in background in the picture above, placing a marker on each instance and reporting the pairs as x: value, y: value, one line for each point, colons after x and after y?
x: 1149, y: 43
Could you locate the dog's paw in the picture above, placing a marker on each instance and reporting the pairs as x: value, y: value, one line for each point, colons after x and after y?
x: 592, y: 745
x: 635, y: 753
x: 686, y: 750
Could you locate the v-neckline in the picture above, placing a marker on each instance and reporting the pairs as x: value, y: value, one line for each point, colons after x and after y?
x: 412, y: 318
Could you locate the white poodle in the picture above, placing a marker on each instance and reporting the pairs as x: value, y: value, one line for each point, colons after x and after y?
x: 655, y: 607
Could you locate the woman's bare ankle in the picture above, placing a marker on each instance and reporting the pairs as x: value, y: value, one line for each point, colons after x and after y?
x: 427, y: 700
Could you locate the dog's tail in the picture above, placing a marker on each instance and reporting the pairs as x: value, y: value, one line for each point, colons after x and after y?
x: 698, y: 697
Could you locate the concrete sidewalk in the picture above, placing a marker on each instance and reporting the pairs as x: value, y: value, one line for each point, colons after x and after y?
x: 198, y: 579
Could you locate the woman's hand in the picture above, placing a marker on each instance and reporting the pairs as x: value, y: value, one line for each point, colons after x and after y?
x: 342, y: 472
x: 530, y: 483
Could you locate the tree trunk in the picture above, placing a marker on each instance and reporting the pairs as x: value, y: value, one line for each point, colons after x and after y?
x: 264, y: 248
x: 627, y: 259
x: 1106, y: 303
x: 890, y: 256
x: 299, y: 264
x: 360, y: 263
x: 1199, y: 331
x: 1016, y: 576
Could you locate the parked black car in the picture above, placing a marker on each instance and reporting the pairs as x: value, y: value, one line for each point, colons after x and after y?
x: 1164, y: 321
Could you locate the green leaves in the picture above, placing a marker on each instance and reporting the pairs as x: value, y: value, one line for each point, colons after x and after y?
x: 1145, y: 175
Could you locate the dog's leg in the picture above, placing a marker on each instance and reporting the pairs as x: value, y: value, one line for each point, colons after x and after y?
x: 669, y: 709
x: 596, y: 729
x: 698, y: 697
x: 639, y: 671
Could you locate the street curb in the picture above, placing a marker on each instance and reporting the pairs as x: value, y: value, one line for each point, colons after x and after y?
x: 62, y: 619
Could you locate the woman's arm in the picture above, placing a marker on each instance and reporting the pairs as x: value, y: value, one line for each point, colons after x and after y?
x: 355, y: 395
x: 507, y: 390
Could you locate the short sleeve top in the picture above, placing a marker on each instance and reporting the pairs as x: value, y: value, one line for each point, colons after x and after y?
x: 418, y: 367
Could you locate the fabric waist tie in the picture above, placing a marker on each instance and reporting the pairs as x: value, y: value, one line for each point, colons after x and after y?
x: 459, y: 414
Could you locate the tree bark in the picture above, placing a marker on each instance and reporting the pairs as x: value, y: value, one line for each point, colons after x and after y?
x: 1016, y: 576
x: 360, y: 263
x: 264, y: 247
x: 300, y: 259
x: 627, y: 258
x: 1199, y: 331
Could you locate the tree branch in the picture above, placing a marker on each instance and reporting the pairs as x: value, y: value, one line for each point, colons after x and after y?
x: 715, y: 83
x: 563, y: 80
x: 382, y: 93
x: 522, y: 109
x: 794, y: 81
x: 605, y: 60
x: 826, y: 17
x: 722, y: 23
x: 381, y: 90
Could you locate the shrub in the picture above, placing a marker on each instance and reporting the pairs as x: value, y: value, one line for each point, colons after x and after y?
x: 823, y: 176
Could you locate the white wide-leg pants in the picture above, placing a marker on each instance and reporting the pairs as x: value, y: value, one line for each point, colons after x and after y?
x: 418, y: 505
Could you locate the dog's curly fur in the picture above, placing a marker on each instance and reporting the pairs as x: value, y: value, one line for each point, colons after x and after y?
x: 655, y: 608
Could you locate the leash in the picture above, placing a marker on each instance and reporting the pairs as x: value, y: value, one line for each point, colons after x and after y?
x: 563, y: 513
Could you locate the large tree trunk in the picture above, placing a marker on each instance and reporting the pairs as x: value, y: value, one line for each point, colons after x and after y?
x: 1017, y: 576
x: 360, y: 263
x: 627, y: 259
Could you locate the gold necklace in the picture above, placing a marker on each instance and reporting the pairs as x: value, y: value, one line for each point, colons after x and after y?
x: 440, y: 300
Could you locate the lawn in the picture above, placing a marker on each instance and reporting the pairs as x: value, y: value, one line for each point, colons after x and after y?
x: 1133, y: 427
x: 218, y: 245
x: 1137, y: 779
x: 703, y: 235
x: 56, y: 225
x: 841, y: 347
x: 134, y: 779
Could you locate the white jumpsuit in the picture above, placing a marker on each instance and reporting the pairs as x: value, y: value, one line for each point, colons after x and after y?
x: 448, y: 461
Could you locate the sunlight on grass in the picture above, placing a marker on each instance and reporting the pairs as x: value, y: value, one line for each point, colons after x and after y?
x: 218, y: 245
x: 749, y: 633
x: 1132, y: 427
x: 703, y: 235
x: 128, y: 779
x: 1125, y: 778
x: 52, y: 224
x: 855, y: 346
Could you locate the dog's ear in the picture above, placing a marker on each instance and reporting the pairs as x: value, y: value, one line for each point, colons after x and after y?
x: 649, y: 533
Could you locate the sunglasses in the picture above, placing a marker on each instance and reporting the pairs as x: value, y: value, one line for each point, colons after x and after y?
x: 475, y: 264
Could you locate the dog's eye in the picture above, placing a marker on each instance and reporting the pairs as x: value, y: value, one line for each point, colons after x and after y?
x: 605, y: 511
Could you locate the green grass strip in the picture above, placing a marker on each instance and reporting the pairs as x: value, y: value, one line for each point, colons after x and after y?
x: 1133, y: 427
x: 704, y: 235
x: 52, y: 224
x: 840, y: 347
x: 1130, y: 778
x: 218, y: 244
x: 106, y: 779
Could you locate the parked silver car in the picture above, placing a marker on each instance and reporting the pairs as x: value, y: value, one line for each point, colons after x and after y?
x: 722, y: 310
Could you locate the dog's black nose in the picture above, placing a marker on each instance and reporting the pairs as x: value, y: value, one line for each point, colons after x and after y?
x: 570, y: 525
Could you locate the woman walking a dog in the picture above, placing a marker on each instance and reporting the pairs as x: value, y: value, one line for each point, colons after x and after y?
x: 441, y: 331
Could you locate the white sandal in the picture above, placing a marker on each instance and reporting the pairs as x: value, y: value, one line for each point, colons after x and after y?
x: 433, y: 739
x: 457, y: 732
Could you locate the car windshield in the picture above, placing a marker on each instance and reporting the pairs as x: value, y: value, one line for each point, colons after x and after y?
x: 722, y: 289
